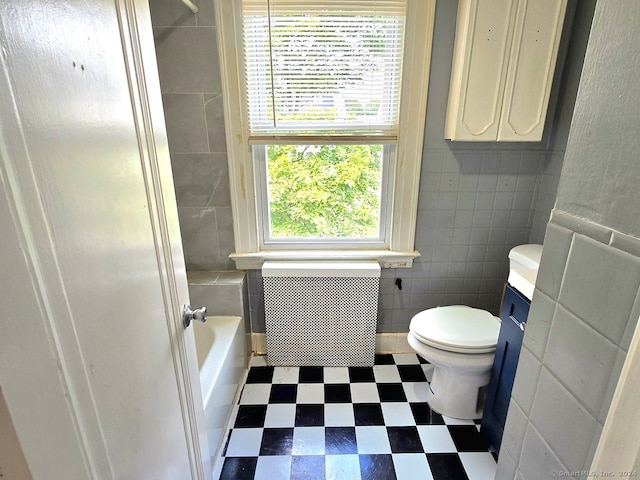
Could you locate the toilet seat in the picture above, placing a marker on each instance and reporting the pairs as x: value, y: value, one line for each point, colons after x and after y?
x: 457, y: 328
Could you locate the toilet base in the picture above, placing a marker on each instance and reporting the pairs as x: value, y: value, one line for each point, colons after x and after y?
x: 456, y: 395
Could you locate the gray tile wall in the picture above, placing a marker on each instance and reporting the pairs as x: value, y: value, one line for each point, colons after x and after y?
x: 477, y: 200
x: 583, y: 315
x: 186, y: 49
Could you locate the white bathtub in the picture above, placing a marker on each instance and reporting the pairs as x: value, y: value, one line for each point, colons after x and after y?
x: 220, y: 344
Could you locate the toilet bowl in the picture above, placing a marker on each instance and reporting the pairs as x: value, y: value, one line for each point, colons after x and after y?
x: 460, y: 342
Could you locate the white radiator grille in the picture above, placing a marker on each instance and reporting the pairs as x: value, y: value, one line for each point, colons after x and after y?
x: 321, y: 320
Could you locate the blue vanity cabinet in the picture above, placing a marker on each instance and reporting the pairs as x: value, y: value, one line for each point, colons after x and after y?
x: 513, y: 314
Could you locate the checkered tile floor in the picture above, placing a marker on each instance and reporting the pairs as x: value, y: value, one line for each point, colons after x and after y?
x: 349, y: 423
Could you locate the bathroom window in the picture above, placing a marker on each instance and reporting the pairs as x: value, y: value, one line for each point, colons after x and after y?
x: 324, y: 110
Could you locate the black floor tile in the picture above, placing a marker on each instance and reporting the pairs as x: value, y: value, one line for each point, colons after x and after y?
x: 250, y: 416
x: 411, y: 373
x: 310, y: 415
x: 239, y: 468
x: 423, y: 414
x: 276, y: 441
x: 422, y: 360
x: 467, y: 438
x: 307, y: 467
x: 260, y: 375
x: 368, y: 414
x: 391, y: 392
x: 377, y: 467
x: 340, y: 440
x: 384, y: 359
x: 337, y: 393
x: 404, y: 440
x: 446, y: 466
x: 311, y: 375
x: 283, y: 393
x: 361, y: 374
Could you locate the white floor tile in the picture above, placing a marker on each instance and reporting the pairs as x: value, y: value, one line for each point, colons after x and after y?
x: 410, y: 466
x: 364, y: 393
x: 405, y: 358
x: 479, y: 465
x: 436, y: 439
x: 310, y: 393
x: 285, y: 374
x: 342, y: 467
x: 244, y: 442
x: 338, y: 415
x: 255, y: 393
x: 280, y: 415
x: 397, y: 414
x: 372, y: 440
x: 308, y: 441
x: 258, y: 361
x: 336, y: 375
x: 416, y: 391
x: 273, y: 467
x: 386, y: 374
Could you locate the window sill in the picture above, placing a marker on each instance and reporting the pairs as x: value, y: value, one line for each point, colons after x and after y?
x: 386, y: 258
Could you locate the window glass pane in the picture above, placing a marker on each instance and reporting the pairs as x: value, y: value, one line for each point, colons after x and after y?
x: 324, y: 191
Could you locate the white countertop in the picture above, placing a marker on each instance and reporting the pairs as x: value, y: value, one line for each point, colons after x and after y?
x: 523, y: 280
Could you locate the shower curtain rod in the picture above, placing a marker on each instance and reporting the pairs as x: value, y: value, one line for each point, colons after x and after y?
x: 191, y: 6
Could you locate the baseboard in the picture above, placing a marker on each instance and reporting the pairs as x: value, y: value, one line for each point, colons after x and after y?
x: 385, y: 343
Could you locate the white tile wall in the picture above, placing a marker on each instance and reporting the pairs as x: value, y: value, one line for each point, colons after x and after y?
x: 581, y: 358
x: 538, y: 460
x: 524, y: 385
x: 563, y: 422
x: 539, y: 323
x: 600, y: 286
x: 581, y: 320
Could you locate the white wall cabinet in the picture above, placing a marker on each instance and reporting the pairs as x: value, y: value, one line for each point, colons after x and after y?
x: 503, y: 66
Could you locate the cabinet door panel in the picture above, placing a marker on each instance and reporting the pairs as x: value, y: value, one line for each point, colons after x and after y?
x: 534, y: 52
x: 479, y: 69
x: 514, y: 312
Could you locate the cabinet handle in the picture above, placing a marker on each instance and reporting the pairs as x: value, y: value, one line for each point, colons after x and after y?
x: 520, y: 325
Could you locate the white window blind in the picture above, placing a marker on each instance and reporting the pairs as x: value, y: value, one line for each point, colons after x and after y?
x: 323, y: 70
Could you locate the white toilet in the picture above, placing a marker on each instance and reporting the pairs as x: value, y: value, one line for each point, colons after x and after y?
x: 460, y: 342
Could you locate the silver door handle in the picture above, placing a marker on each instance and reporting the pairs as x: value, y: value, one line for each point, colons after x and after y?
x: 188, y: 315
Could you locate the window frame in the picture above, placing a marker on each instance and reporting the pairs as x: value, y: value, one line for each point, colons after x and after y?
x: 399, y: 251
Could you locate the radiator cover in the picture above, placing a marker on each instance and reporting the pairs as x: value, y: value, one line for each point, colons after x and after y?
x: 321, y: 314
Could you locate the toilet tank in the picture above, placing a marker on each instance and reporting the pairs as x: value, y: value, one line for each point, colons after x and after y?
x: 525, y: 256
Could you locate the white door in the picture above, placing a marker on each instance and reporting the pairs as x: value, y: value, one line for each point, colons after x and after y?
x: 98, y: 375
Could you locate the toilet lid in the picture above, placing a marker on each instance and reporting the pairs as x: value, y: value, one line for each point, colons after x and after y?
x: 457, y: 328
